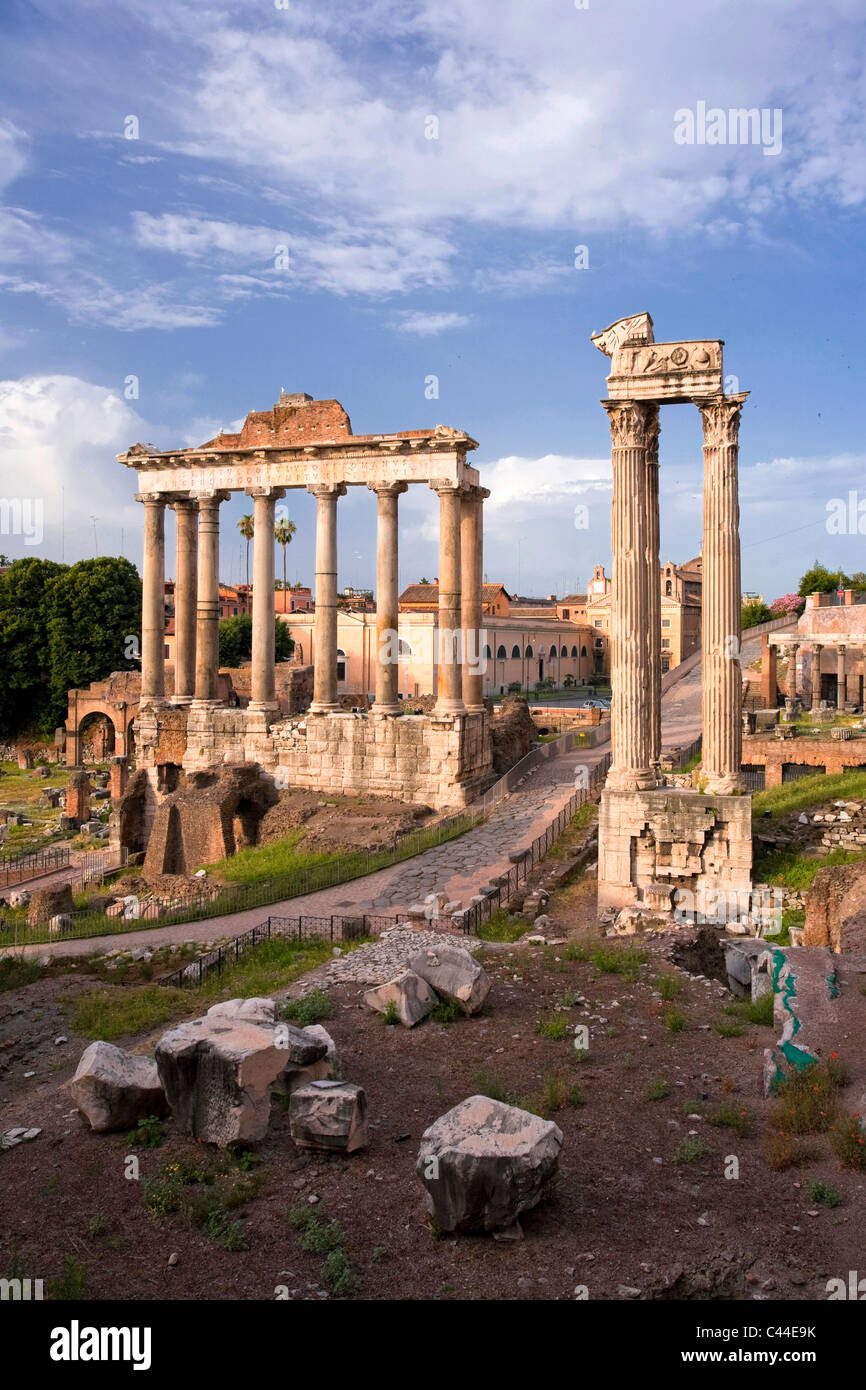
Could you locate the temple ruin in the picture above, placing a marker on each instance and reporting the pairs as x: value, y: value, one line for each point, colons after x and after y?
x: 655, y: 838
x: 442, y: 758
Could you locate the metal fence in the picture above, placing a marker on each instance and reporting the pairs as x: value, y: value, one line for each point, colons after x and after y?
x: 33, y: 864
x: 351, y: 926
x: 792, y: 772
x: 754, y: 777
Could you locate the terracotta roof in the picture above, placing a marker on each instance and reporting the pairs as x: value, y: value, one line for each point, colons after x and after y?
x: 429, y: 593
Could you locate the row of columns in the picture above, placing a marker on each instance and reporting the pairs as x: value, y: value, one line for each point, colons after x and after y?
x: 636, y: 636
x: 459, y: 685
x: 815, y: 650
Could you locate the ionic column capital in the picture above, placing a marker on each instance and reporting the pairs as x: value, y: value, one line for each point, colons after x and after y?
x: 446, y: 487
x: 327, y: 490
x: 269, y: 493
x: 633, y: 424
x: 180, y: 502
x: 391, y: 489
x: 721, y: 419
x: 152, y: 499
x: 209, y: 501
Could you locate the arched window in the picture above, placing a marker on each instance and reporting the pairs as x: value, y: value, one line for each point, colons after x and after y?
x: 563, y: 651
x: 515, y: 653
x: 487, y: 654
x: 553, y: 652
x: 574, y: 651
x: 403, y: 648
x: 341, y: 664
x: 529, y: 653
x: 668, y: 587
x: 501, y: 654
x: 583, y: 651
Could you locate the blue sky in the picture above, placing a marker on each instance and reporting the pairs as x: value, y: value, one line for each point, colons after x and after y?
x: 305, y: 127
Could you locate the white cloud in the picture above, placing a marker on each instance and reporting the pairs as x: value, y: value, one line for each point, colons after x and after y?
x: 429, y: 325
x: 58, y: 439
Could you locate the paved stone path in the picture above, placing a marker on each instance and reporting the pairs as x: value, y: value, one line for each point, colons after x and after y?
x: 457, y: 868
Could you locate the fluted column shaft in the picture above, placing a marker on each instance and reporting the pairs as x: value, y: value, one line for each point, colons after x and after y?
x: 630, y: 424
x: 792, y: 670
x: 840, y: 678
x: 185, y: 599
x: 325, y: 670
x: 387, y: 598
x: 263, y: 687
x: 153, y: 600
x: 208, y: 606
x: 817, y: 649
x: 449, y: 680
x: 654, y: 602
x: 722, y: 597
x: 471, y: 598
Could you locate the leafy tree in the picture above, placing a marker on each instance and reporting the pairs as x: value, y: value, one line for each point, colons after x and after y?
x: 25, y: 663
x: 94, y: 609
x: 236, y: 641
x: 283, y: 532
x: 786, y: 603
x: 246, y: 526
x: 820, y: 580
x: 755, y: 612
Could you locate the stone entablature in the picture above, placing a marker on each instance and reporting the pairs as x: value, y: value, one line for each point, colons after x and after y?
x: 644, y: 370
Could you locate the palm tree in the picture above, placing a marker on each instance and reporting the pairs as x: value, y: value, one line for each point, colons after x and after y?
x: 246, y: 526
x: 283, y: 532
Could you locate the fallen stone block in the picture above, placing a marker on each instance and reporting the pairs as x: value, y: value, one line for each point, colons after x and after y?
x: 329, y: 1115
x: 454, y: 974
x: 218, y: 1074
x: 114, y: 1089
x: 411, y: 996
x: 485, y: 1163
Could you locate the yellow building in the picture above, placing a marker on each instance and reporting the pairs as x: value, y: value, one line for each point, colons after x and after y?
x: 680, y: 591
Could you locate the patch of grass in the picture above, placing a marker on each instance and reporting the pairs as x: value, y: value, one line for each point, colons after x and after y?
x: 820, y: 1191
x: 17, y: 971
x: 691, y: 1149
x: 572, y: 951
x: 730, y: 1116
x: 809, y: 791
x: 98, y: 1224
x: 787, y: 869
x: 657, y: 1090
x: 268, y: 967
x: 493, y: 1087
x: 70, y: 1283
x: 309, y: 1008
x: 675, y: 1020
x: 669, y: 987
x: 148, y: 1133
x: 501, y: 926
x: 326, y: 1238
x: 806, y: 1100
x: 752, y: 1010
x: 729, y: 1028
x: 628, y: 1062
x: 107, y: 1014
x: 625, y: 961
x: 848, y: 1142
x: 390, y: 1015
x: 555, y: 1094
x: 552, y: 1025
x: 446, y: 1011
x: 783, y: 1150
x: 379, y: 1254
x: 570, y: 999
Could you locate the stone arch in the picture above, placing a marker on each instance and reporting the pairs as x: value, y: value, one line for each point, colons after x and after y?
x: 97, y: 727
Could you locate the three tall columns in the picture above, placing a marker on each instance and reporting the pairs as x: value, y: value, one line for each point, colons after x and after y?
x: 722, y: 681
x: 636, y: 638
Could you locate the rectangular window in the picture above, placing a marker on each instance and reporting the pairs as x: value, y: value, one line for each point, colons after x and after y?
x: 666, y: 622
x: 598, y: 622
x: 666, y: 641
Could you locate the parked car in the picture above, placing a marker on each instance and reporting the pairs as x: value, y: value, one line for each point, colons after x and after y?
x: 596, y: 704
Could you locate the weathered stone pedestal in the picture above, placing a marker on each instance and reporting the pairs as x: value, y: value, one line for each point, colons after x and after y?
x: 675, y: 837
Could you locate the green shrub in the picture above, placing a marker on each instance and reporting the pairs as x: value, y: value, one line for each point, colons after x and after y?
x: 309, y: 1008
x: 148, y: 1133
x: 669, y: 987
x: 848, y: 1142
x: 730, y: 1116
x: 691, y: 1149
x: 822, y: 1192
x: 552, y: 1025
x: 675, y: 1020
x: 657, y: 1090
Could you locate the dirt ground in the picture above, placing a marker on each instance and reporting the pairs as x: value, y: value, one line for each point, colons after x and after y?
x: 341, y: 822
x: 625, y: 1220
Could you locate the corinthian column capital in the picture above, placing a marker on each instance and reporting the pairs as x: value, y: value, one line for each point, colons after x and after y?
x: 633, y: 424
x: 721, y: 419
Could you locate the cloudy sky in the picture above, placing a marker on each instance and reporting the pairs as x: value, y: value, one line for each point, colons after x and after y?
x: 349, y: 197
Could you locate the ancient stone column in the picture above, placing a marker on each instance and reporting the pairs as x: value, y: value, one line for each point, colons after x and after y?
x: 185, y: 599
x: 263, y: 689
x: 654, y: 602
x: 471, y: 600
x: 840, y: 678
x: 449, y: 678
x: 387, y: 596
x: 208, y: 606
x: 631, y: 425
x: 153, y: 600
x: 791, y: 682
x: 817, y: 649
x: 722, y: 597
x: 325, y: 671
